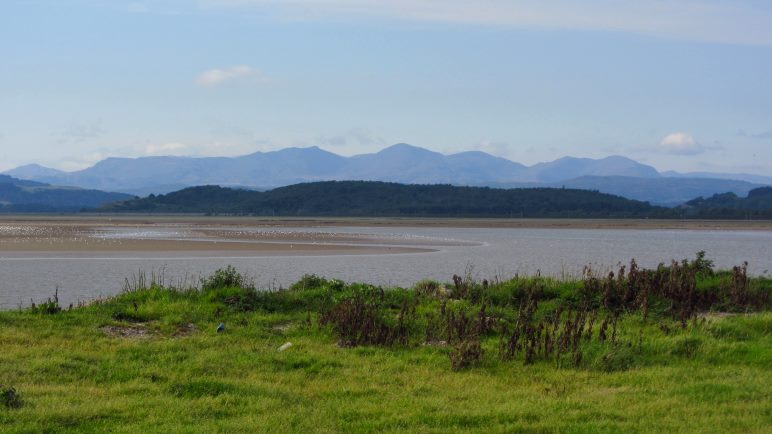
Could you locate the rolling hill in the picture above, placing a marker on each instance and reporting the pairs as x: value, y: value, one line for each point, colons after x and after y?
x: 369, y: 198
x: 28, y: 196
x: 757, y: 204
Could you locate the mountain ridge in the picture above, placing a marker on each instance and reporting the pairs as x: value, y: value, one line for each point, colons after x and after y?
x: 401, y: 163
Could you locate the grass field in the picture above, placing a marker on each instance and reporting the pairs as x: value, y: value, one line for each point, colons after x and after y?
x: 429, y: 359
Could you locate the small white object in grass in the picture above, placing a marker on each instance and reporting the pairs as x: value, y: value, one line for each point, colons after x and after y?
x: 285, y: 346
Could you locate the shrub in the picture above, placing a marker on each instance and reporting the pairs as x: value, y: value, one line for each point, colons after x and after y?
x: 466, y: 354
x: 428, y: 288
x: 617, y: 358
x: 309, y: 281
x: 49, y: 307
x: 226, y: 277
x: 686, y: 347
x: 702, y: 266
x: 363, y: 317
x: 10, y: 398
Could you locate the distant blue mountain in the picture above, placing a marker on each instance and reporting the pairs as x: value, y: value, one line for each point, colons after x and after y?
x: 570, y: 167
x: 413, y: 165
x: 657, y: 191
x: 400, y: 163
x: 757, y: 179
x: 33, y: 171
x: 25, y: 196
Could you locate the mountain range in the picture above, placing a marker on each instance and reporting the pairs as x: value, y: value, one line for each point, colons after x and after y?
x: 401, y: 163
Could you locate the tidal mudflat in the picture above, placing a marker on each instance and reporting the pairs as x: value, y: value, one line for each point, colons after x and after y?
x: 91, y: 256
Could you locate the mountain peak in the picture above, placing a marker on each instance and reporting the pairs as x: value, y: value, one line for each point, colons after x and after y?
x: 401, y: 162
x: 405, y: 148
x: 33, y: 171
x: 619, y: 158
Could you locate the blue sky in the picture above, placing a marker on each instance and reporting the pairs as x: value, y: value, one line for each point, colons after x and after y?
x: 682, y: 85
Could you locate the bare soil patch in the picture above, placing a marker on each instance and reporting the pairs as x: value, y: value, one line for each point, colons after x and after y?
x: 133, y: 331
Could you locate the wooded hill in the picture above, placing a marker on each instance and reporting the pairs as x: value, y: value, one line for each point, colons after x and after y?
x: 367, y: 198
x: 758, y: 205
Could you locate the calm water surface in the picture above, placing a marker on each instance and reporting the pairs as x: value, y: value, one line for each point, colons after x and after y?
x: 489, y: 252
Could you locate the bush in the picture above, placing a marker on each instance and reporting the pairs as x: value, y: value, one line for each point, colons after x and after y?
x: 10, y: 398
x: 702, y: 266
x: 364, y: 317
x: 49, y: 307
x: 309, y: 281
x: 616, y: 358
x: 686, y: 347
x: 428, y: 288
x: 226, y: 277
x: 466, y: 354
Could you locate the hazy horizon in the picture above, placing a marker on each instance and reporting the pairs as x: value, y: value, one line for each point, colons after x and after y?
x: 678, y: 86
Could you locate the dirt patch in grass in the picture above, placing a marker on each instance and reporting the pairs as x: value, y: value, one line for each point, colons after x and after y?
x: 282, y: 327
x: 133, y: 331
x: 185, y: 330
x: 718, y: 315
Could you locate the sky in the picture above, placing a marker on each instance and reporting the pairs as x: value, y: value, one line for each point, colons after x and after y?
x: 679, y: 84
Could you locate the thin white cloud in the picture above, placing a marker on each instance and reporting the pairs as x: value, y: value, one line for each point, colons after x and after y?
x: 761, y: 135
x: 680, y: 144
x: 166, y: 149
x: 701, y: 20
x: 77, y: 132
x: 81, y: 162
x: 499, y: 149
x: 352, y: 138
x: 234, y: 74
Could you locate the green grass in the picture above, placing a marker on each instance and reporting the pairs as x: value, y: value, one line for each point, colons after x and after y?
x: 713, y: 376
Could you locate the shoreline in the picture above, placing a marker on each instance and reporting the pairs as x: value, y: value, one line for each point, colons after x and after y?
x: 449, y: 222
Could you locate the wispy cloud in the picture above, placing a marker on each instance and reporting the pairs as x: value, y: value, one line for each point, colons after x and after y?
x: 761, y: 135
x: 356, y: 137
x: 234, y: 74
x: 166, y: 149
x: 81, y: 161
x: 499, y: 149
x: 77, y: 132
x: 702, y: 20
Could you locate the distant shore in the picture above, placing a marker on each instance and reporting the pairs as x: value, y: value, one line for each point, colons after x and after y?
x: 524, y: 223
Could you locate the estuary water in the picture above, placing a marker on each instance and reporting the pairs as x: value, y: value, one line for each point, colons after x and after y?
x: 82, y: 275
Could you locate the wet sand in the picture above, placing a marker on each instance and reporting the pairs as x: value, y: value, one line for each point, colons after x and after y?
x: 76, y: 246
x: 89, y: 235
x: 267, y: 236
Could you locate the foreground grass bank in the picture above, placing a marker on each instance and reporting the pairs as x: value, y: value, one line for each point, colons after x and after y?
x: 682, y: 348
